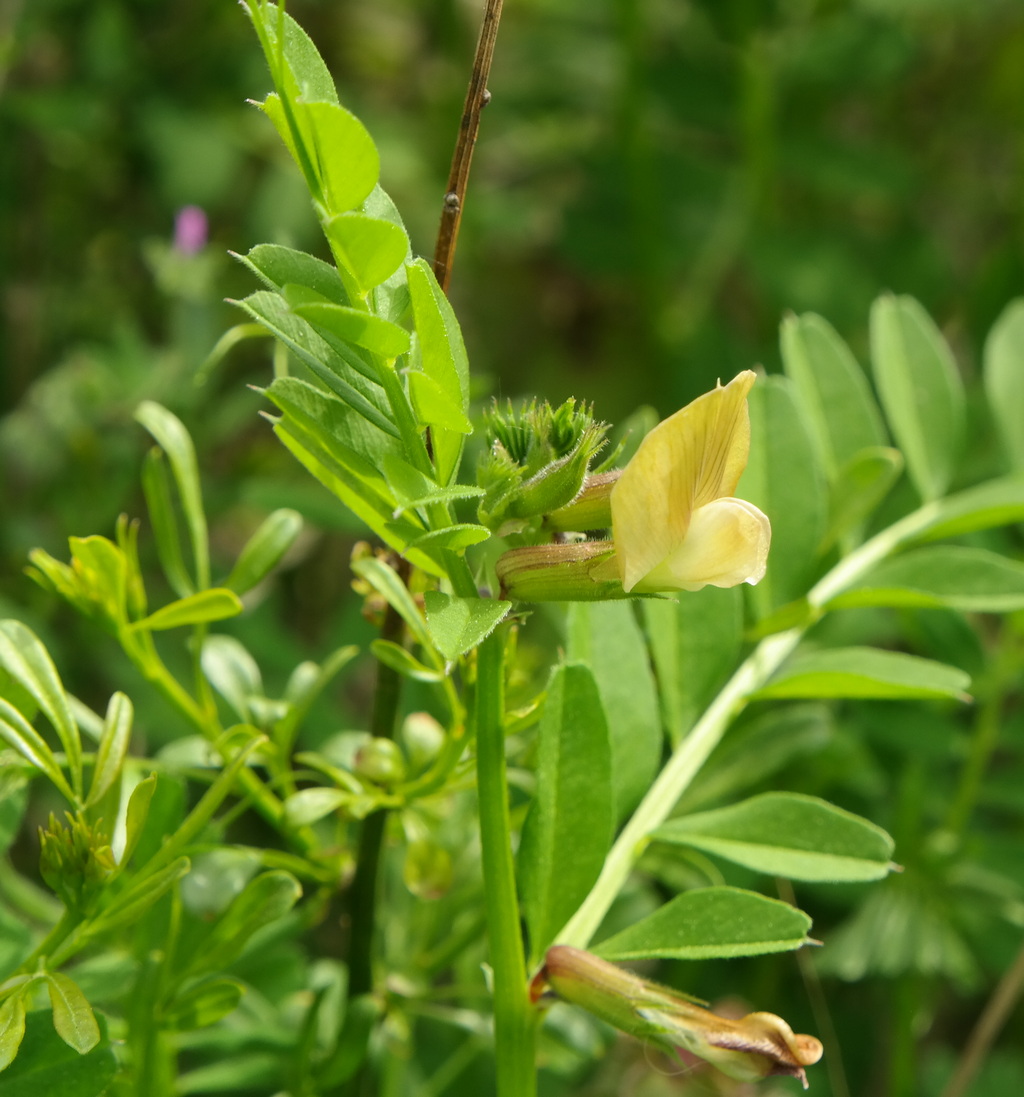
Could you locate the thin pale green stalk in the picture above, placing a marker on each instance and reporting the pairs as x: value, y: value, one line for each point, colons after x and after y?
x: 693, y: 751
x: 514, y: 1020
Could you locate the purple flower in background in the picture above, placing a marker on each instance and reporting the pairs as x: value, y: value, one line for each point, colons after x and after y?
x: 190, y: 230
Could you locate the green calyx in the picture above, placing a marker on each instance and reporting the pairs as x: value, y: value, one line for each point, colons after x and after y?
x: 538, y: 458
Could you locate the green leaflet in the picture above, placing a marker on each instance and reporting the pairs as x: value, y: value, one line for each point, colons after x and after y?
x: 27, y: 661
x: 12, y: 1028
x: 969, y: 579
x: 338, y: 480
x: 265, y: 549
x: 346, y: 377
x: 73, y: 1017
x: 605, y: 636
x: 784, y: 480
x: 386, y: 582
x: 997, y: 502
x: 47, y: 1065
x: 371, y: 249
x: 787, y: 834
x: 113, y: 746
x: 204, y: 1003
x: 1004, y: 379
x: 353, y: 442
x: 232, y: 672
x: 711, y: 922
x: 399, y: 659
x: 136, y: 815
x: 173, y: 438
x: 356, y: 326
x: 278, y: 266
x: 208, y: 605
x: 832, y: 391
x: 156, y: 486
x: 413, y: 489
x: 305, y: 807
x: 694, y: 643
x: 439, y: 384
x: 920, y: 389
x: 865, y: 672
x: 860, y: 484
x: 263, y: 900
x: 305, y: 73
x: 459, y: 624
x: 568, y: 830
x: 343, y: 154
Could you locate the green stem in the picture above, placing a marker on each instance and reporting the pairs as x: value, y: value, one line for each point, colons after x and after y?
x: 514, y: 1020
x: 985, y: 733
x: 363, y: 895
x: 140, y: 649
x: 459, y: 574
x: 67, y: 924
x: 693, y: 751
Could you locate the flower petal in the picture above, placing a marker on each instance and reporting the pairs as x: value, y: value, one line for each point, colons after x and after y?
x: 687, y: 461
x: 727, y: 544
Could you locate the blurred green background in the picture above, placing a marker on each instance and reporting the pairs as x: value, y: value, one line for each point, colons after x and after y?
x: 657, y: 182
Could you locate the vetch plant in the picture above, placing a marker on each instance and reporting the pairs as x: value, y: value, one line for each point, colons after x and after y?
x: 259, y: 907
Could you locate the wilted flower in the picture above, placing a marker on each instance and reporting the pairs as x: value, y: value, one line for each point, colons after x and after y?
x: 756, y: 1046
x: 675, y: 522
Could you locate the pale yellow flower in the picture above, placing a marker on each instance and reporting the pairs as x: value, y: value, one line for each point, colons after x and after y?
x: 676, y: 524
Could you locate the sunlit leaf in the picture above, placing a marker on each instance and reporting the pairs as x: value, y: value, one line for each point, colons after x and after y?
x: 964, y: 578
x: 920, y: 389
x: 174, y: 439
x: 708, y: 923
x: 113, y: 746
x: 784, y: 480
x: 370, y: 248
x: 208, y: 605
x: 841, y: 414
x: 47, y: 1065
x: 569, y: 827
x: 787, y: 834
x: 694, y: 642
x: 73, y: 1017
x: 24, y: 657
x: 865, y: 672
x: 606, y: 637
x: 1004, y: 379
x: 458, y: 624
x: 265, y: 549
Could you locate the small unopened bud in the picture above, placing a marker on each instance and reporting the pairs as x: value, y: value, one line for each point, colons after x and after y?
x: 75, y: 861
x: 381, y: 761
x: 557, y: 573
x: 422, y: 737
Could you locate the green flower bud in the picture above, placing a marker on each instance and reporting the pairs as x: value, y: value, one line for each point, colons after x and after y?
x: 422, y: 737
x: 75, y: 861
x: 558, y: 573
x: 381, y: 761
x: 537, y: 461
x: 591, y: 509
